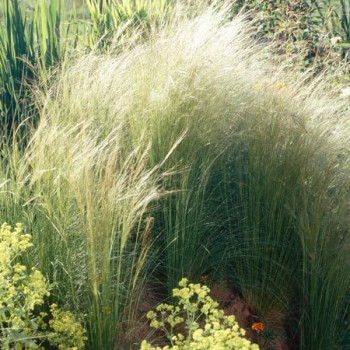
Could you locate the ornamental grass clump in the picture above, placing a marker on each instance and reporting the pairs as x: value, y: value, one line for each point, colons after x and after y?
x: 195, y: 322
x: 252, y: 159
x: 93, y: 197
x: 22, y: 294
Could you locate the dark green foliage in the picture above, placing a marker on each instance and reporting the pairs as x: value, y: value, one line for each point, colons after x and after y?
x: 16, y: 50
x: 30, y: 45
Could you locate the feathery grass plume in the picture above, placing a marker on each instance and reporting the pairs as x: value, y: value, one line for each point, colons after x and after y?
x: 260, y: 166
x: 95, y: 195
x: 160, y: 97
x: 255, y: 161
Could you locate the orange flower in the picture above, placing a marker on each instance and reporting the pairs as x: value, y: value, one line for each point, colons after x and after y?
x: 258, y: 326
x: 203, y: 278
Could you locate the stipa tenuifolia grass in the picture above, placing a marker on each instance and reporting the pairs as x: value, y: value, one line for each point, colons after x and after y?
x: 251, y: 159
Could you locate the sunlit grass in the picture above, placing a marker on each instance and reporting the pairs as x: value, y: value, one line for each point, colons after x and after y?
x: 240, y: 165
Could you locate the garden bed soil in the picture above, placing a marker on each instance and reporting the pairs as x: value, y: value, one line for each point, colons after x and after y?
x: 134, y: 332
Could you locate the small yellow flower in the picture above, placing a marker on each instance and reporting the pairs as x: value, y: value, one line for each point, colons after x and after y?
x: 197, y: 334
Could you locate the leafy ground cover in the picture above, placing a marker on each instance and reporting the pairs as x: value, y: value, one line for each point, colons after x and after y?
x: 172, y: 144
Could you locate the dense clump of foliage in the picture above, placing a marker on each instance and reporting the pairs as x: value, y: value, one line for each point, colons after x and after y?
x: 180, y: 143
x: 312, y: 32
x: 22, y: 293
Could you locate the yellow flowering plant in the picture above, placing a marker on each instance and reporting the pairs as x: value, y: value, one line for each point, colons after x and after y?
x: 21, y: 293
x: 196, y: 322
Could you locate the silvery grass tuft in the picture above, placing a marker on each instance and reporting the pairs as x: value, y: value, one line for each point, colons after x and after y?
x: 253, y: 162
x: 95, y: 197
x: 166, y: 88
x: 261, y: 166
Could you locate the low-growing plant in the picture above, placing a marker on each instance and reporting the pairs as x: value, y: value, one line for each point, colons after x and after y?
x: 312, y: 32
x: 195, y: 322
x: 22, y: 294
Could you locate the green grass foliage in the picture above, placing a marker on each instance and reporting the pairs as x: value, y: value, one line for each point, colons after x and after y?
x: 111, y: 16
x: 188, y: 151
x: 30, y: 46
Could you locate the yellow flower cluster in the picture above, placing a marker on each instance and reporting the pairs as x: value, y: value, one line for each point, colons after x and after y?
x: 21, y: 292
x: 67, y: 334
x: 206, y: 327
